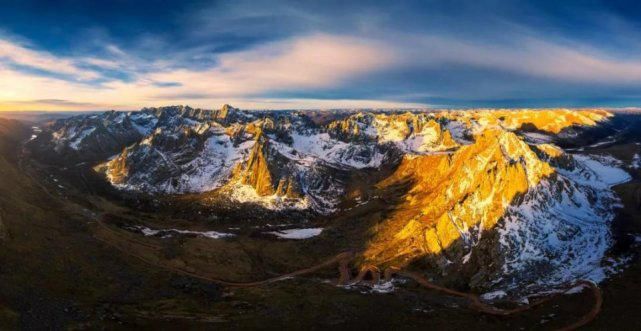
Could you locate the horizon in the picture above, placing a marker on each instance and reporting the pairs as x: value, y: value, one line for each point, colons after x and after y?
x: 410, y: 109
x: 290, y: 55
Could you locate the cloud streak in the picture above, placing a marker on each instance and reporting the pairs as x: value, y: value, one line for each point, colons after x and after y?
x: 309, y: 62
x: 17, y: 54
x: 528, y: 56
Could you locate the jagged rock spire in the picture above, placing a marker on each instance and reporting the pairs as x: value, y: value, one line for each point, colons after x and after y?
x: 224, y: 113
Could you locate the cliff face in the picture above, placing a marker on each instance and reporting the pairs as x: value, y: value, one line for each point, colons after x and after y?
x: 420, y: 133
x: 225, y: 113
x: 268, y: 173
x: 450, y: 195
x: 117, y: 169
x: 256, y: 171
x: 289, y: 188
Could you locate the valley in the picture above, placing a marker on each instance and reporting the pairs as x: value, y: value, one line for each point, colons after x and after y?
x: 133, y: 219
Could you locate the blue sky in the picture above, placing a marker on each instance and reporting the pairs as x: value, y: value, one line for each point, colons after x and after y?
x: 319, y: 54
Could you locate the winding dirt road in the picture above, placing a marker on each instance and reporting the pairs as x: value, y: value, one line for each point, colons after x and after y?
x: 343, y: 261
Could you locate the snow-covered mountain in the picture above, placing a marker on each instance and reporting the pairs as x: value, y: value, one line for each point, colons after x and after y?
x: 489, y: 195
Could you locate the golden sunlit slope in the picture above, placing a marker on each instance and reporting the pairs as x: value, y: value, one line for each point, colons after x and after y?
x: 548, y: 120
x: 453, y: 193
x: 453, y: 196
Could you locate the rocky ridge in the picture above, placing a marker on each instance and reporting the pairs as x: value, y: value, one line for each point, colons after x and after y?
x: 485, y: 199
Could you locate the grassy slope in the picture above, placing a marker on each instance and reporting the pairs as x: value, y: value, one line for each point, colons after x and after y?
x: 50, y: 268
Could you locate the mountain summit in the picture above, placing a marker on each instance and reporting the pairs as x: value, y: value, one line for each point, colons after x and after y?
x: 484, y: 195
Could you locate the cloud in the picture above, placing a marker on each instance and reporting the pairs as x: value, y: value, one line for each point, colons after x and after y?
x: 167, y: 84
x: 310, y: 62
x: 53, y: 103
x: 17, y: 54
x: 101, y: 63
x: 527, y: 56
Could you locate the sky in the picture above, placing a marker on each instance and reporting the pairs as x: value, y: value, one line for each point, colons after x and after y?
x: 125, y: 55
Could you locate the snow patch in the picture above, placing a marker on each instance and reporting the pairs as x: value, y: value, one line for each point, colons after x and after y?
x: 163, y: 232
x: 297, y: 233
x: 537, y: 138
x: 382, y: 288
x: 493, y: 295
x: 607, y: 141
x: 309, y: 148
x: 636, y: 161
x: 605, y: 167
x: 247, y: 194
x: 77, y: 139
x: 561, y: 229
x: 458, y: 130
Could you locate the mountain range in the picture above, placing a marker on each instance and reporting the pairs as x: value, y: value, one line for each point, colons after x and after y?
x: 487, y: 195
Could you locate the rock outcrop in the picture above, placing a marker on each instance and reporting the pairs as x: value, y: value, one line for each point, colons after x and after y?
x: 465, y: 192
x: 225, y: 114
x: 256, y: 171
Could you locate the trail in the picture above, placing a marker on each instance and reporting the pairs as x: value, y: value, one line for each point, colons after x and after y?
x: 343, y: 260
x: 477, y: 304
